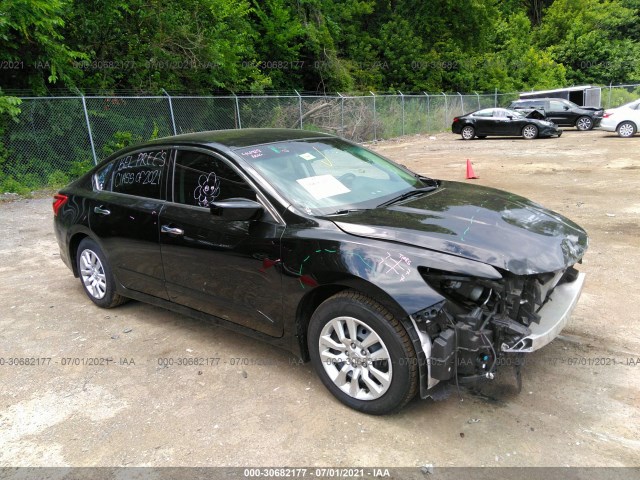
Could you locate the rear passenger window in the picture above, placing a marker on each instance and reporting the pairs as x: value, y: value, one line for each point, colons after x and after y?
x: 140, y: 174
x: 200, y: 179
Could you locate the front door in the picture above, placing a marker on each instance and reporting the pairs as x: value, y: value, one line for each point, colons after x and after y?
x: 224, y: 268
x: 560, y: 113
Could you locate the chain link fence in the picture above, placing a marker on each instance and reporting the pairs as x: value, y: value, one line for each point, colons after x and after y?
x: 55, y: 139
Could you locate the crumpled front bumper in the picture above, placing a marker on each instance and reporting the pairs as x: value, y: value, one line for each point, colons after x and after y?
x: 554, y: 315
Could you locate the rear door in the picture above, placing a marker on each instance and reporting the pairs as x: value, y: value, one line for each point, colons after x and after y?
x: 229, y: 269
x: 124, y: 213
x: 484, y: 122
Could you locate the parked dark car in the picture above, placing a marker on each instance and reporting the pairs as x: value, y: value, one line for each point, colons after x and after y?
x: 391, y: 283
x: 562, y: 112
x: 503, y: 122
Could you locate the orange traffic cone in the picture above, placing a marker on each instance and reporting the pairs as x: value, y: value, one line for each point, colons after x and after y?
x: 470, y: 173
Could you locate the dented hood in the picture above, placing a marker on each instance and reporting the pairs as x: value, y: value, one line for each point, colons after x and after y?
x: 478, y: 223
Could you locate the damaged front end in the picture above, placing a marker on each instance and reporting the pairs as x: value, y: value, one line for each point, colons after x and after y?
x: 468, y: 335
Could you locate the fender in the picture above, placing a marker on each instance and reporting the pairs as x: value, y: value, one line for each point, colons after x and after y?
x: 317, y: 268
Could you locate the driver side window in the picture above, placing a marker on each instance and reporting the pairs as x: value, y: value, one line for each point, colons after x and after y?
x: 556, y: 106
x: 200, y: 179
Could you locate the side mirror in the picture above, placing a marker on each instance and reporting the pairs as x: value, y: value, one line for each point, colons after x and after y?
x: 510, y: 117
x: 236, y: 209
x: 566, y: 108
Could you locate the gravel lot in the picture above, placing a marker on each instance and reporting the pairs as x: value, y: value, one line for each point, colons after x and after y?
x: 580, y: 403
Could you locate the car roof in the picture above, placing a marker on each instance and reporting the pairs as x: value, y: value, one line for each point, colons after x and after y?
x: 539, y: 99
x: 238, y: 138
x: 223, y: 139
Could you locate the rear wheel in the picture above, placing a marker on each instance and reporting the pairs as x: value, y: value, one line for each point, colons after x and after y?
x: 468, y: 132
x: 584, y: 123
x: 530, y: 132
x: 362, y: 354
x: 626, y: 129
x: 95, y: 275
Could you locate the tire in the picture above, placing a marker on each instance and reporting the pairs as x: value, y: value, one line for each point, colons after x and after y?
x: 95, y: 275
x: 529, y: 132
x: 626, y: 129
x: 362, y: 354
x: 584, y: 123
x: 468, y: 132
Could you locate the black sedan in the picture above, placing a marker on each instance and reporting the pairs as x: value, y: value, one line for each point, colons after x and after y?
x: 503, y: 122
x: 389, y: 282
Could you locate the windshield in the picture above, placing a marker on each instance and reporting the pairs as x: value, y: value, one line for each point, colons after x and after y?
x: 325, y: 176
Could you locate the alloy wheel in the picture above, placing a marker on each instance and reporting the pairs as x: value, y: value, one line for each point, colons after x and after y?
x: 626, y: 130
x: 530, y: 132
x: 355, y: 358
x: 468, y: 133
x: 92, y: 273
x: 584, y: 123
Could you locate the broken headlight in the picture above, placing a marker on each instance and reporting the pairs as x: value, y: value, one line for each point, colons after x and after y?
x: 461, y: 290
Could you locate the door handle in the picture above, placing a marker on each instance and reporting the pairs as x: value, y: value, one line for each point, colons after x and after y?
x: 171, y: 230
x: 102, y: 211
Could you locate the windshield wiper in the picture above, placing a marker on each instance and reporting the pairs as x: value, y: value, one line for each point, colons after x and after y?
x: 409, y: 194
x: 347, y: 210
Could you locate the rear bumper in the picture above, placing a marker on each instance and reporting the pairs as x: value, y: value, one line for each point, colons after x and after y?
x: 608, y: 126
x: 554, y: 315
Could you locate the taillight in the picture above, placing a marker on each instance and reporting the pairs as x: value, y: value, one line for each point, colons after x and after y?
x: 58, y: 201
x: 607, y: 114
x: 455, y: 119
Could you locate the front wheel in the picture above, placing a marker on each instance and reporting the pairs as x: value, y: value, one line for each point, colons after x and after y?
x: 530, y: 132
x: 362, y: 354
x: 95, y: 275
x: 584, y: 123
x: 468, y: 132
x: 626, y: 129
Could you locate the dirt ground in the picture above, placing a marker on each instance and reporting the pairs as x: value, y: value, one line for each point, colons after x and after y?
x: 580, y: 403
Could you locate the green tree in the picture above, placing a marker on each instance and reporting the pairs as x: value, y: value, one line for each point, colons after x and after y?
x: 516, y: 64
x: 593, y: 39
x: 32, y: 41
x: 146, y: 45
x: 280, y: 35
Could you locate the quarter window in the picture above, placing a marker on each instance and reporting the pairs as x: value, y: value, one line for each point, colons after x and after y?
x: 102, y: 178
x: 140, y: 173
x: 200, y: 179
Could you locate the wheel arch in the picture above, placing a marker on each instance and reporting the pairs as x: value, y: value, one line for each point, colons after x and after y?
x: 74, y: 243
x: 627, y: 121
x: 312, y: 300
